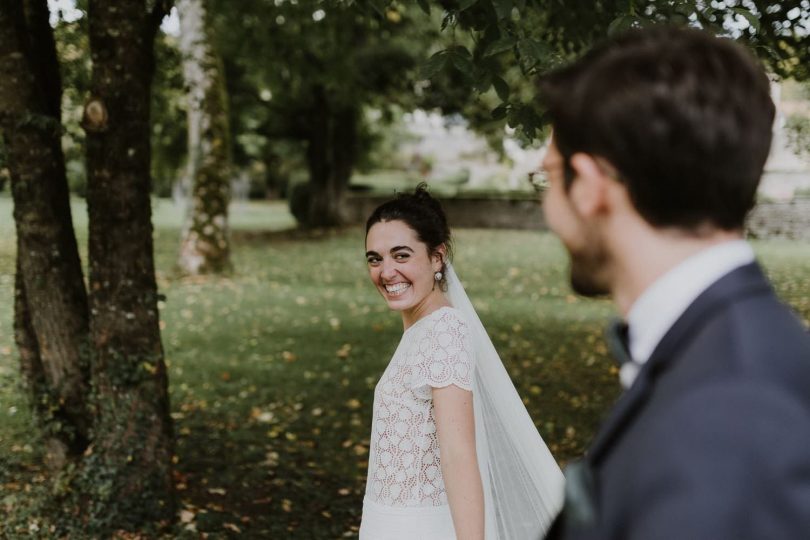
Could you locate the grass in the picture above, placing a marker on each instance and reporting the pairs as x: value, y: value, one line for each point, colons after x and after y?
x: 272, y: 368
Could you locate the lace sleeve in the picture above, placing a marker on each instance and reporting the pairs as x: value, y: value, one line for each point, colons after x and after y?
x: 443, y: 355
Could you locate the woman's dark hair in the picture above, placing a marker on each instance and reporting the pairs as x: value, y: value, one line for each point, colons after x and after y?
x: 422, y: 213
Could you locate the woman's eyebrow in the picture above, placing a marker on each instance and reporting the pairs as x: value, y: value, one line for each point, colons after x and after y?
x: 393, y: 250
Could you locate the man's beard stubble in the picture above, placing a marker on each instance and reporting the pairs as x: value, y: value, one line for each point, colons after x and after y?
x: 587, y: 271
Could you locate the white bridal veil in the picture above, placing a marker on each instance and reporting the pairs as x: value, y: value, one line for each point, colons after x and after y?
x: 523, y: 486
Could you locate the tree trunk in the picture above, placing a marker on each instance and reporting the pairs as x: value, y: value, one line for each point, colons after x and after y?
x: 121, y: 440
x: 132, y: 450
x: 51, y: 318
x: 331, y: 154
x: 204, y: 246
x: 344, y: 147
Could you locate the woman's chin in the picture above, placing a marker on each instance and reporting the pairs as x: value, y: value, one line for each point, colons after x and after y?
x: 396, y: 304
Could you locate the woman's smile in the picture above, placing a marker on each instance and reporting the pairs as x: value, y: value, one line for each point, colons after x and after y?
x: 396, y: 289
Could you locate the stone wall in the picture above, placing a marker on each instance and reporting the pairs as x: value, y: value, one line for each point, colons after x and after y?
x: 479, y: 212
x: 782, y: 219
x: 790, y: 219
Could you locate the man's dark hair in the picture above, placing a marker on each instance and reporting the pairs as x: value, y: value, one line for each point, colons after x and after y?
x: 684, y: 116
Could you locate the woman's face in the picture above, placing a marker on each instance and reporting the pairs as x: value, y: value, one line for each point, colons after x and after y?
x: 400, y: 266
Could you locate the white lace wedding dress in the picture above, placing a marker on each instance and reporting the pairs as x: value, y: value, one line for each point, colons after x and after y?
x: 405, y: 495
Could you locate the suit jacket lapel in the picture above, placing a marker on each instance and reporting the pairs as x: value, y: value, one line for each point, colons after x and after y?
x: 739, y: 283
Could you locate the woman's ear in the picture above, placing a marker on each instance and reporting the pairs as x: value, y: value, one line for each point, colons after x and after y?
x: 439, y: 256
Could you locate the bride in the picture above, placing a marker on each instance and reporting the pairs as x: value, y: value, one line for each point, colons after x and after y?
x: 454, y: 453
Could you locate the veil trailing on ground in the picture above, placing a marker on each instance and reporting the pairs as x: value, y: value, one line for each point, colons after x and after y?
x: 523, y: 486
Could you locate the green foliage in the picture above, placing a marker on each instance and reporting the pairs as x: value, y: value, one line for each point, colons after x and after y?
x: 272, y: 370
x: 296, y: 70
x: 76, y: 176
x: 168, y: 113
x: 382, y: 132
x: 797, y: 129
x: 504, y: 44
x: 169, y: 123
x: 73, y: 51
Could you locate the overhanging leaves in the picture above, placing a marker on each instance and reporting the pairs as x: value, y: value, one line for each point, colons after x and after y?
x: 499, y: 45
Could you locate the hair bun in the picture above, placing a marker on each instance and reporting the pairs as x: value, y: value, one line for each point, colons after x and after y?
x: 422, y: 196
x: 422, y: 193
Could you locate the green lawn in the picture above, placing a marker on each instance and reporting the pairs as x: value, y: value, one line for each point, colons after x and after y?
x: 272, y: 368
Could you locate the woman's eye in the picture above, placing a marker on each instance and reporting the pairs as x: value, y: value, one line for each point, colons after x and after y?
x: 373, y: 261
x: 400, y: 256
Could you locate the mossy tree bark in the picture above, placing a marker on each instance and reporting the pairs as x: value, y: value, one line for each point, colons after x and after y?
x: 133, y: 447
x: 204, y: 246
x: 51, y: 315
x: 93, y: 362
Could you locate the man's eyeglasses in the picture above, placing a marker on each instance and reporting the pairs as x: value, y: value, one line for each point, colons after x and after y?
x: 538, y: 180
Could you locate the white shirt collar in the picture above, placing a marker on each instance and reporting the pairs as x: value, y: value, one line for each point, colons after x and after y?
x: 657, y: 309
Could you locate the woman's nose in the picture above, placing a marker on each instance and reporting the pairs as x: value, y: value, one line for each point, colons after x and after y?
x: 387, y: 269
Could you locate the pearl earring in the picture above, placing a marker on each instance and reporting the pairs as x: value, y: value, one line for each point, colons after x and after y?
x: 438, y: 276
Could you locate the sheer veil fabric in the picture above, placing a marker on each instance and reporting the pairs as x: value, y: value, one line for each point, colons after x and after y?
x: 523, y: 485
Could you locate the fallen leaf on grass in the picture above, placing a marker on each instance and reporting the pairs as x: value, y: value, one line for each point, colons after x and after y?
x: 360, y: 450
x: 353, y: 403
x: 264, y: 417
x: 271, y: 459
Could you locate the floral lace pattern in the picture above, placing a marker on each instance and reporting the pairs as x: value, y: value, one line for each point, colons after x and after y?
x: 404, y: 462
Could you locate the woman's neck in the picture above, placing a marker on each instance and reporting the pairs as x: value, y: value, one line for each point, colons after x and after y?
x: 435, y: 300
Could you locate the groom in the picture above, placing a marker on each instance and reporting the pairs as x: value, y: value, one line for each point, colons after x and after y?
x: 659, y: 141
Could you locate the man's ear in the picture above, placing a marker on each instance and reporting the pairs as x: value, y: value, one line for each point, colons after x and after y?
x: 589, y: 192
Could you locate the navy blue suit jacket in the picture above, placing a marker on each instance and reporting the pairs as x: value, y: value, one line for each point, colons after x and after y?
x: 712, y: 441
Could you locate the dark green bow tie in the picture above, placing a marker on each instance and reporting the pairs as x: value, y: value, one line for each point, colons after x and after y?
x: 618, y: 342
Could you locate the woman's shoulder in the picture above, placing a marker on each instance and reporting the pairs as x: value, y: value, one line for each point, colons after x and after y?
x: 441, y: 350
x: 445, y: 319
x: 451, y: 314
x: 444, y: 315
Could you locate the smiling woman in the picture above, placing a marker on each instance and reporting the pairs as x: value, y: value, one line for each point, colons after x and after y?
x: 423, y: 472
x: 429, y: 472
x: 404, y: 270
